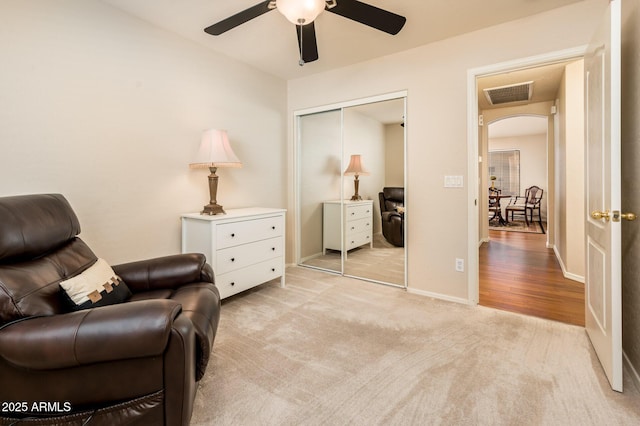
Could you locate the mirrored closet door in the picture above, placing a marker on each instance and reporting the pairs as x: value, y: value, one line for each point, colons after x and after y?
x: 319, y: 165
x: 350, y: 186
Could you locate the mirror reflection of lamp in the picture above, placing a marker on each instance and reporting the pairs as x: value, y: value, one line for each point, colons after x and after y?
x: 355, y: 169
x: 493, y: 181
x: 214, y: 152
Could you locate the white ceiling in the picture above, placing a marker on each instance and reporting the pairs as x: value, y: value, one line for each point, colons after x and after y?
x: 546, y: 81
x: 269, y: 41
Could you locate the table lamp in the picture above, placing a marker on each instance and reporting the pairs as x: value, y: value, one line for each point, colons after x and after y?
x: 214, y: 152
x: 355, y: 169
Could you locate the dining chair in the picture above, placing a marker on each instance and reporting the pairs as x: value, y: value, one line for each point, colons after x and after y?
x: 526, y: 205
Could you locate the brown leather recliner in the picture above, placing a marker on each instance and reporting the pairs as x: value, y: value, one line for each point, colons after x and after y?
x: 134, y: 363
x: 392, y: 211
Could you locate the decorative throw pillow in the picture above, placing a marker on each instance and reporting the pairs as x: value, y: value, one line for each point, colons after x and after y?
x: 400, y: 209
x: 96, y: 286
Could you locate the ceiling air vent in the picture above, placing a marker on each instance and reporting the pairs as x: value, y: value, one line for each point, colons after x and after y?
x: 510, y: 93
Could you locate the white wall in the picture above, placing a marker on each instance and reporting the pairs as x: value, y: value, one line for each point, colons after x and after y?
x: 394, y: 155
x: 108, y: 110
x: 435, y: 77
x: 570, y: 185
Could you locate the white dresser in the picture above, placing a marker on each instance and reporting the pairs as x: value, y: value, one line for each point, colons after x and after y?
x: 358, y: 224
x: 245, y: 247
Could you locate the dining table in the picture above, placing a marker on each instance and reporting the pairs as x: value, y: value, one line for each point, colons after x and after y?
x: 498, y: 212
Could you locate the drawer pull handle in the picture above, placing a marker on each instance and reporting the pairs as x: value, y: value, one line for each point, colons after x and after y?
x: 233, y: 235
x: 273, y: 227
x: 353, y: 227
x: 273, y: 249
x: 232, y: 284
x: 273, y: 269
x: 233, y: 259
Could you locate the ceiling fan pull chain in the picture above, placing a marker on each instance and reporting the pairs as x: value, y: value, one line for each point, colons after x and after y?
x: 301, y: 61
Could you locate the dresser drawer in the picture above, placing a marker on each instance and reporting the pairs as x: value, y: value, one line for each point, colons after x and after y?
x: 241, y: 256
x: 357, y: 226
x: 243, y: 279
x: 236, y: 233
x: 356, y: 240
x: 358, y: 212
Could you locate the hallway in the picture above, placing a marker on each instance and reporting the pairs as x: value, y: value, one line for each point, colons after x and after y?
x: 519, y: 274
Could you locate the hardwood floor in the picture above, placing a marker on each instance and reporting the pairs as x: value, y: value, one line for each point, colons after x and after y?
x: 519, y: 274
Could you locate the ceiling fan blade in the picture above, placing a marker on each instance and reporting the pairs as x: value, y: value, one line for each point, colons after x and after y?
x: 239, y: 18
x: 372, y: 16
x: 309, y: 46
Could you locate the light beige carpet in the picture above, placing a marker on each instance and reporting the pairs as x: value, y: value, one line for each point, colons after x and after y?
x: 330, y: 350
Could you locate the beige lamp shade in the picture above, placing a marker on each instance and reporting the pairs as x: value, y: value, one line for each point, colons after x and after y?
x: 215, y: 151
x: 355, y: 167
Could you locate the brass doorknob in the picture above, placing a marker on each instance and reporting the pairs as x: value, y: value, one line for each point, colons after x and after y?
x: 628, y: 216
x: 600, y: 215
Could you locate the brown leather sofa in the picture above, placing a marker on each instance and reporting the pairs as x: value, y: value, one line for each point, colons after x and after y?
x: 135, y: 362
x: 391, y: 198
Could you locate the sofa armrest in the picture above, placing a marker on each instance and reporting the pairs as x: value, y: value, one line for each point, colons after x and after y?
x: 123, y: 331
x: 169, y: 272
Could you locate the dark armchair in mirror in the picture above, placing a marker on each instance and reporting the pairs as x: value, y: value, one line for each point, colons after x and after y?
x: 392, y: 210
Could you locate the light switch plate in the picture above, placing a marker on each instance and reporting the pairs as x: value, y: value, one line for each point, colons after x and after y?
x: 453, y: 182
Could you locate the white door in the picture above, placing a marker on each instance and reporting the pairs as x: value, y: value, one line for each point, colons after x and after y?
x: 603, y: 289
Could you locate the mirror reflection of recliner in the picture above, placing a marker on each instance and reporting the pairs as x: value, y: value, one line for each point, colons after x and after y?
x: 392, y: 211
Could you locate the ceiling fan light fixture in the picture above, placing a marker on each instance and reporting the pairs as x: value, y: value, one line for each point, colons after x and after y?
x: 300, y: 12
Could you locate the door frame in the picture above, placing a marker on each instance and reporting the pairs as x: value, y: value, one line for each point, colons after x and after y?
x: 473, y: 277
x: 541, y: 110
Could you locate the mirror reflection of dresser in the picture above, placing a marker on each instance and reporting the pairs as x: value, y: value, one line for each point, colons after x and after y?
x: 358, y: 225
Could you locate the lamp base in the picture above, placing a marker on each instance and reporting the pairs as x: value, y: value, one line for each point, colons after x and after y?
x: 212, y: 209
x: 356, y: 185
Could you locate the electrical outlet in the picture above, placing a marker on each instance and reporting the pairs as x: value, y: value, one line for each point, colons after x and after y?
x: 460, y: 265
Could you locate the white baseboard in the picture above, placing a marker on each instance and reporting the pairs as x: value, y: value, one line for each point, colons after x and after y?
x: 565, y: 273
x: 439, y: 296
x: 635, y: 377
x: 313, y: 256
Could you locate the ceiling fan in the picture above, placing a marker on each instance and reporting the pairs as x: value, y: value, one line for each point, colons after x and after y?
x: 302, y: 13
